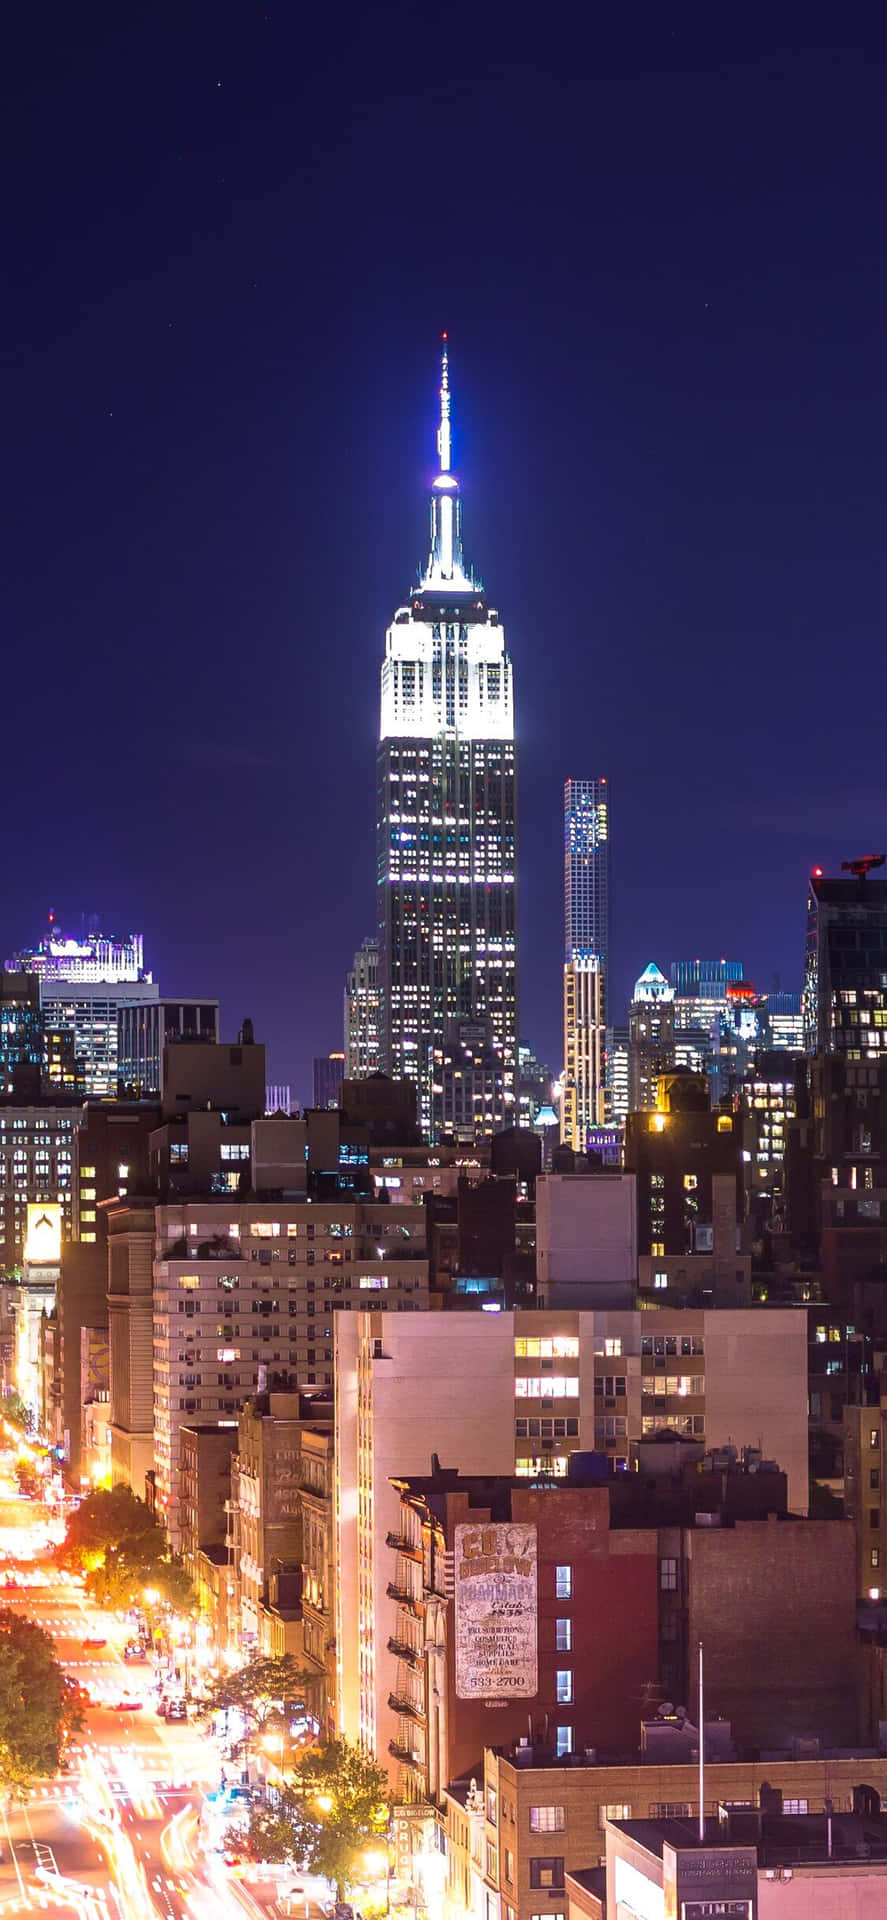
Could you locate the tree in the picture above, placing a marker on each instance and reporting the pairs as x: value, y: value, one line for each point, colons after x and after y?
x: 29, y: 1482
x: 115, y: 1540
x: 14, y: 1409
x: 332, y: 1808
x: 256, y: 1690
x: 37, y: 1705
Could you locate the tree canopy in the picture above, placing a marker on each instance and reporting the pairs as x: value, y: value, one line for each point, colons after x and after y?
x: 29, y: 1481
x: 114, y: 1539
x: 331, y: 1809
x: 36, y: 1702
x: 16, y: 1411
x: 255, y: 1689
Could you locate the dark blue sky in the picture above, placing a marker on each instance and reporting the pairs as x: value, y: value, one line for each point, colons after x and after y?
x: 232, y: 236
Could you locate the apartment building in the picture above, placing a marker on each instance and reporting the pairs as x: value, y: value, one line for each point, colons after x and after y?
x: 865, y: 1435
x: 516, y: 1606
x: 515, y: 1394
x: 206, y: 1452
x: 319, y: 1573
x: 257, y: 1285
x: 543, y: 1819
x: 266, y: 1481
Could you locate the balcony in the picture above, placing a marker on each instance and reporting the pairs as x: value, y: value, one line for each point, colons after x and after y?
x: 403, y: 1651
x: 406, y: 1756
x: 399, y: 1703
x: 404, y: 1598
x: 401, y: 1544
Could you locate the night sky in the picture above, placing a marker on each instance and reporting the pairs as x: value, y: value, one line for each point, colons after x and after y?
x: 232, y: 236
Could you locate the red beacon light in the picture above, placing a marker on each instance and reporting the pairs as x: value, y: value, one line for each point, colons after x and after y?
x: 817, y: 873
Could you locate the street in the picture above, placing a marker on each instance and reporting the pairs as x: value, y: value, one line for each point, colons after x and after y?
x: 116, y: 1836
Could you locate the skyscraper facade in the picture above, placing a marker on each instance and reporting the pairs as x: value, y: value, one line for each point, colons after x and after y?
x: 83, y: 984
x: 586, y: 943
x: 651, y: 1037
x: 446, y: 811
x: 363, y: 998
x: 845, y: 973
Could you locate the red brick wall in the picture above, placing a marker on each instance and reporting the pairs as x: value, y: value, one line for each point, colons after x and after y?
x: 614, y: 1611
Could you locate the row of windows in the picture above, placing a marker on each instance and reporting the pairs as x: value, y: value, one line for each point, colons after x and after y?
x: 546, y: 1429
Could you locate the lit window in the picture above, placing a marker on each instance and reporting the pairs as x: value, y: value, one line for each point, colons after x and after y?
x: 564, y: 1680
x: 563, y: 1740
x: 563, y: 1583
x: 547, y: 1819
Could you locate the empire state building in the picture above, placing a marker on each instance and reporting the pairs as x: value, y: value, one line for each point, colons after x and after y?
x: 447, y: 836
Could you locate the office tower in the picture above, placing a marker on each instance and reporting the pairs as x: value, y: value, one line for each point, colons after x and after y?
x: 586, y: 942
x: 616, y: 1075
x: 767, y: 1102
x: 700, y: 989
x: 363, y: 1003
x: 739, y: 1034
x: 468, y: 1089
x: 144, y: 1028
x: 36, y: 1139
x: 21, y: 1034
x: 845, y: 974
x: 534, y: 1082
x: 329, y: 1072
x: 83, y: 983
x: 92, y: 958
x: 783, y: 1019
x: 446, y: 809
x: 650, y: 1037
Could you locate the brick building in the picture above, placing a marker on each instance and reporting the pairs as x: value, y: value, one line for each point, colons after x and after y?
x: 538, y: 1819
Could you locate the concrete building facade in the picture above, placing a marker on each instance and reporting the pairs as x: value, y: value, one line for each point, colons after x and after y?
x: 516, y: 1394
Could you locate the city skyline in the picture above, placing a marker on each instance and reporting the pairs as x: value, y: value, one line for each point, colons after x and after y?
x: 215, y: 478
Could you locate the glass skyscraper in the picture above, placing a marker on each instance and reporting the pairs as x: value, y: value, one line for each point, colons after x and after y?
x: 586, y: 945
x: 447, y: 814
x: 83, y: 985
x: 845, y: 972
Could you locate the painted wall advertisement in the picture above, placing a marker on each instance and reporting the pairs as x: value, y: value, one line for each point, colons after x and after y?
x: 495, y: 1584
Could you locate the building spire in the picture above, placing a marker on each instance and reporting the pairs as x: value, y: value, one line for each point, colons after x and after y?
x: 443, y: 431
x: 445, y: 565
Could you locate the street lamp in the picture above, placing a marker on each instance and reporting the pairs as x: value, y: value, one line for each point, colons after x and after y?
x: 378, y: 1863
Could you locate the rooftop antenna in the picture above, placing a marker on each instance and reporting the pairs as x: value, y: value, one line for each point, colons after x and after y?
x: 862, y: 868
x: 701, y: 1756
